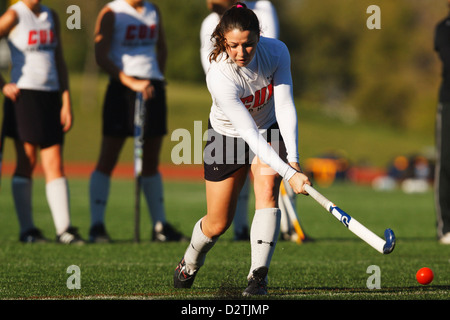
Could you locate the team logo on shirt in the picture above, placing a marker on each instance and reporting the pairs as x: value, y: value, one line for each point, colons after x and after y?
x: 256, y: 101
x: 139, y: 34
x: 41, y: 39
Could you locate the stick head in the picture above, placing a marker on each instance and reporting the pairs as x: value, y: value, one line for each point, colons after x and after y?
x: 390, y: 241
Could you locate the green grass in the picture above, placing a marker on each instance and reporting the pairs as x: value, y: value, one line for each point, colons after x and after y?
x: 331, y: 268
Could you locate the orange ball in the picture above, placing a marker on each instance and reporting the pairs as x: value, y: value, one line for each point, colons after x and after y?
x: 424, y: 276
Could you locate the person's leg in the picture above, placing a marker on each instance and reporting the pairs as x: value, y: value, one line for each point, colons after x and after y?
x: 153, y: 189
x: 99, y: 185
x: 265, y: 228
x: 442, y: 175
x: 21, y: 185
x: 152, y: 185
x: 221, y: 197
x: 240, y: 221
x: 56, y: 187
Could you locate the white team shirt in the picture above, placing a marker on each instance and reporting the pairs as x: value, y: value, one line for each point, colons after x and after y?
x: 248, y: 100
x: 32, y: 43
x: 133, y: 47
x: 267, y: 16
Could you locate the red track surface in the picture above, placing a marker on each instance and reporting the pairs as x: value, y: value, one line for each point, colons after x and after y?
x: 123, y: 170
x: 175, y: 172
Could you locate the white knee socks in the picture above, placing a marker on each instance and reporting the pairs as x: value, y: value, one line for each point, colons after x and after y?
x: 195, y: 254
x: 153, y: 191
x: 57, y: 192
x: 264, y: 234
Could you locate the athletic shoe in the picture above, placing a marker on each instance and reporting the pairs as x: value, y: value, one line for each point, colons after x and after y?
x: 98, y: 234
x: 70, y: 236
x: 165, y: 233
x: 182, y: 279
x: 257, y: 283
x: 33, y: 235
x: 445, y: 239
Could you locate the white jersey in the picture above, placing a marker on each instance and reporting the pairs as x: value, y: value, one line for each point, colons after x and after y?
x: 133, y: 47
x: 248, y: 100
x: 268, y: 20
x: 267, y: 16
x: 32, y: 43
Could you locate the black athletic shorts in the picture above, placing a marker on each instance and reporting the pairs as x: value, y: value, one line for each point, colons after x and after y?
x: 34, y: 118
x: 225, y: 156
x: 118, y: 111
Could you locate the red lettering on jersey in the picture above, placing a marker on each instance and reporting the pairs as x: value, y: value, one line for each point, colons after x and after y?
x: 270, y: 89
x: 41, y: 37
x: 261, y: 97
x: 140, y: 32
x: 130, y: 33
x: 32, y: 39
x: 52, y: 36
x: 247, y: 101
x: 152, y: 31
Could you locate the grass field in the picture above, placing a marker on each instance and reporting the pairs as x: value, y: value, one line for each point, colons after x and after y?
x: 334, y: 267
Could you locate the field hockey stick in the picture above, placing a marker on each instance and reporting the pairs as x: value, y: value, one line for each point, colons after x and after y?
x: 292, y: 214
x: 383, y: 246
x: 139, y: 118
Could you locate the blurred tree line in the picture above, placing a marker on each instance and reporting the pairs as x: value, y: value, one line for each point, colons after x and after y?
x: 390, y: 74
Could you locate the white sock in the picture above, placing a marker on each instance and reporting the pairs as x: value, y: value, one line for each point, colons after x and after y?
x: 99, y: 186
x: 284, y: 221
x: 240, y: 220
x: 57, y: 192
x: 21, y: 190
x: 195, y: 254
x: 263, y: 236
x: 286, y: 224
x: 153, y: 191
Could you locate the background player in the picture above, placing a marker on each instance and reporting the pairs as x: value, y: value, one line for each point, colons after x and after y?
x: 35, y: 117
x: 130, y: 46
x: 442, y: 176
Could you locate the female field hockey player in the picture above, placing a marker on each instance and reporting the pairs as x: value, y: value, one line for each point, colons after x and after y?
x: 268, y: 18
x: 37, y: 113
x: 130, y: 46
x: 251, y: 88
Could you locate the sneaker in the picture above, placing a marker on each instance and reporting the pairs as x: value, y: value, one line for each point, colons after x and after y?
x: 33, y: 235
x: 98, y: 234
x: 165, y: 232
x: 70, y: 236
x: 257, y: 283
x: 445, y: 239
x: 181, y: 278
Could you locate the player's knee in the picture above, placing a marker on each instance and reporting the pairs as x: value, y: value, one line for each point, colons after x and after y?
x: 218, y: 228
